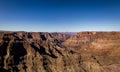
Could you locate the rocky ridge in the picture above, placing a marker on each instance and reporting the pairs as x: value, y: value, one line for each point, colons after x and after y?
x: 59, y: 52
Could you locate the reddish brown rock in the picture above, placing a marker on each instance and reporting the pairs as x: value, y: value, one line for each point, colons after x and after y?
x: 59, y: 52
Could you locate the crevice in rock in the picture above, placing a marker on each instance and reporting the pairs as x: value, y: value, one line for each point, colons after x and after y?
x: 59, y: 52
x: 29, y: 35
x: 45, y: 64
x: 96, y: 60
x: 42, y: 51
x: 51, y: 54
x: 43, y: 37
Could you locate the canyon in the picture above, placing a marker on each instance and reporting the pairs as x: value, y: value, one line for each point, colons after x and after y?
x: 59, y: 51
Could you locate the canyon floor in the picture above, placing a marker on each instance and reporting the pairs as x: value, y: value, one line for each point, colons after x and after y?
x: 59, y: 52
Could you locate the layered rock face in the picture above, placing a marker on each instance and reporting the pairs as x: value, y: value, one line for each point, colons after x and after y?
x: 59, y: 52
x: 102, y: 47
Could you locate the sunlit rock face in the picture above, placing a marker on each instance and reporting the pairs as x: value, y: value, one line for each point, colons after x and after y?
x: 59, y: 52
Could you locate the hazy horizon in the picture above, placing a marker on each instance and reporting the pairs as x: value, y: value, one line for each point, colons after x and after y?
x: 60, y: 15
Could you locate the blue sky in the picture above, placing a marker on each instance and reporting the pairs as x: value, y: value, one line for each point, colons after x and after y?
x: 60, y: 15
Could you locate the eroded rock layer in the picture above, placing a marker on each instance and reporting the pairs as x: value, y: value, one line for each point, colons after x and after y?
x: 59, y: 52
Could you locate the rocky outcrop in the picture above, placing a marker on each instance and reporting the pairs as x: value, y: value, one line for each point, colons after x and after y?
x: 59, y: 52
x: 102, y: 47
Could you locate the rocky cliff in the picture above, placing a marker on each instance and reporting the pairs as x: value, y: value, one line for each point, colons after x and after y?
x: 59, y: 52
